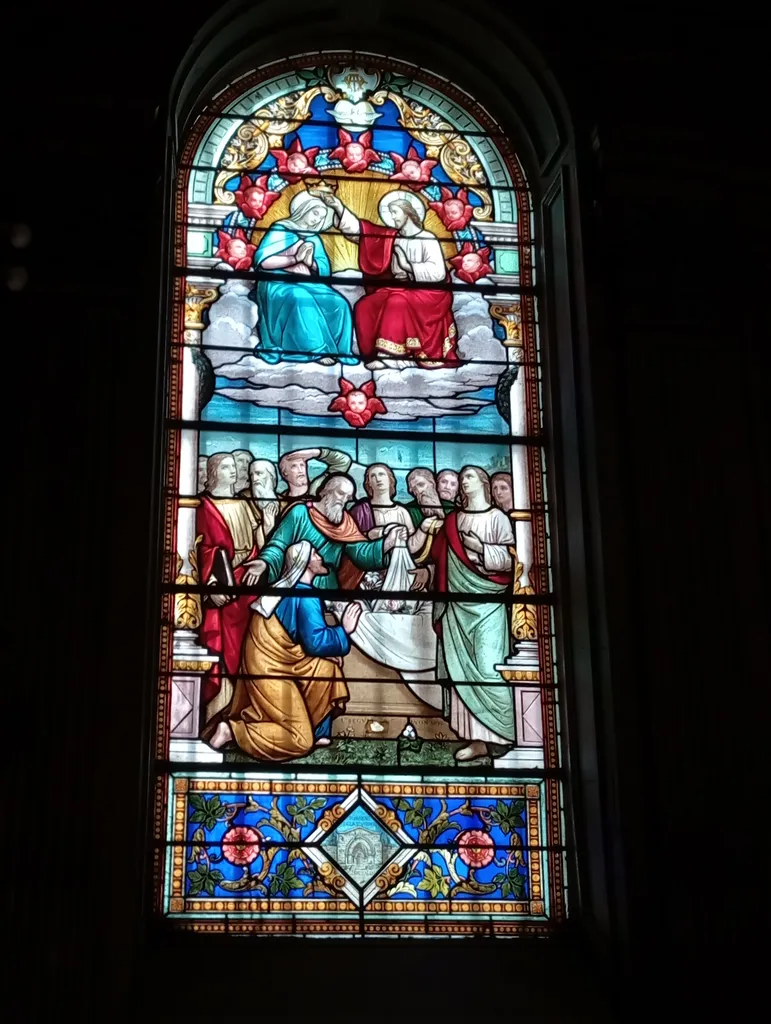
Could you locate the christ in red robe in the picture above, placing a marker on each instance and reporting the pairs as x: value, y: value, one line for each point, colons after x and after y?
x: 397, y: 320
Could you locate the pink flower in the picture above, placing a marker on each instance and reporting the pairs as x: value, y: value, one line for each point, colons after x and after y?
x: 294, y: 163
x: 476, y: 848
x: 358, y: 405
x: 354, y: 156
x: 411, y: 168
x: 235, y: 249
x: 454, y: 211
x: 240, y: 845
x: 471, y: 264
x: 254, y: 198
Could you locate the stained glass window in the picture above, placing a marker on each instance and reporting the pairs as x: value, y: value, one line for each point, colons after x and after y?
x: 357, y: 715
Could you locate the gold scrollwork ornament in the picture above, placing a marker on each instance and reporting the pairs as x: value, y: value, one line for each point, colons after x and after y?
x: 187, y: 607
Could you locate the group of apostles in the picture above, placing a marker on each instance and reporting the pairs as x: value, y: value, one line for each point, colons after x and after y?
x: 278, y: 682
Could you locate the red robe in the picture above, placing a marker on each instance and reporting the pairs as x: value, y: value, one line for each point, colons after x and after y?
x: 448, y: 537
x: 223, y: 629
x: 410, y: 323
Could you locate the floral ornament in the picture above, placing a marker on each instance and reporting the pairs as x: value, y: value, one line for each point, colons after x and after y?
x: 354, y: 156
x: 471, y: 264
x: 235, y: 249
x: 358, y: 405
x: 254, y: 198
x: 295, y: 163
x: 411, y: 168
x: 454, y: 211
x: 476, y: 848
x: 241, y: 845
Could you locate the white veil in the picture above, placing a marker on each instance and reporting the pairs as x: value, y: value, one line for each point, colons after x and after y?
x: 299, y: 206
x: 295, y: 563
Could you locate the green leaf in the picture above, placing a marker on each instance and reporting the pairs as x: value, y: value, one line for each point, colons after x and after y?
x: 197, y: 801
x: 197, y: 816
x: 274, y: 886
x: 518, y: 882
x: 505, y: 827
x: 502, y: 809
x: 418, y: 803
x: 318, y: 803
x: 217, y: 877
x: 301, y: 802
x: 292, y: 808
x: 500, y: 877
x: 401, y: 804
x: 506, y: 890
x: 214, y: 803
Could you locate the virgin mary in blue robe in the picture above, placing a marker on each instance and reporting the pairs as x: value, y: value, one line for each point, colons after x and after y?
x: 301, y: 320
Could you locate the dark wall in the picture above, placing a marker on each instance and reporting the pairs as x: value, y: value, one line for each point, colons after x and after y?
x: 676, y: 229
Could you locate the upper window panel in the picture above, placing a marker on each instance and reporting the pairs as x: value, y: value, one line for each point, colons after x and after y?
x: 327, y: 183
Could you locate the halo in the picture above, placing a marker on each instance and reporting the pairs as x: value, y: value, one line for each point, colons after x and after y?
x: 398, y: 193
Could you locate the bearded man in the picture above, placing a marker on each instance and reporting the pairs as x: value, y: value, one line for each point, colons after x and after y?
x: 426, y: 503
x: 447, y: 485
x: 332, y: 532
x: 263, y: 497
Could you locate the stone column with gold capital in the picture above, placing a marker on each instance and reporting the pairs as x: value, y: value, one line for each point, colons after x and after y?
x: 190, y: 660
x: 522, y: 667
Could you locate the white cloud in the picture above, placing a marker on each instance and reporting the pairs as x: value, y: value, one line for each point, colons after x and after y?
x: 408, y: 393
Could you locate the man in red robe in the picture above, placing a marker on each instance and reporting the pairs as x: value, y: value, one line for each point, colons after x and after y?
x: 229, y: 534
x: 407, y: 323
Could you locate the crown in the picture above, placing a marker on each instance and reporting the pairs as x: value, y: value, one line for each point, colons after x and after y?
x: 322, y: 187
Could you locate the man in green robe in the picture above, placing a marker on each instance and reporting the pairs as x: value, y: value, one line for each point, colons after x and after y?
x: 332, y: 532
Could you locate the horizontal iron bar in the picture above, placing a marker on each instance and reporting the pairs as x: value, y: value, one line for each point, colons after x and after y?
x: 216, y: 427
x: 524, y: 364
x: 370, y: 681
x: 338, y: 594
x: 214, y: 225
x: 359, y: 775
x: 373, y: 282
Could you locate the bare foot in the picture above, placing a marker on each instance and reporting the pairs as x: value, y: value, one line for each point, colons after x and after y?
x: 326, y: 361
x: 222, y: 734
x: 470, y: 752
x: 376, y: 364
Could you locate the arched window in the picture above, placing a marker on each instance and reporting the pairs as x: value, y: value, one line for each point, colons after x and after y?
x: 358, y: 727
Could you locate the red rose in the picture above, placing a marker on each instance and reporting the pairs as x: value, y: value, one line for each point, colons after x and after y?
x: 358, y: 405
x: 476, y: 848
x: 241, y: 845
x: 471, y: 264
x: 411, y: 168
x: 454, y: 211
x: 235, y: 249
x: 295, y: 162
x: 354, y: 156
x: 254, y: 198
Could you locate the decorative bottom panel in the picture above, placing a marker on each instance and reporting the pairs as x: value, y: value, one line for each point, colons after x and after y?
x: 358, y: 855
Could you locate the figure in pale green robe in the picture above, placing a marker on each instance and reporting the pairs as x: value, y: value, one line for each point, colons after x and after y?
x: 300, y: 319
x: 473, y: 556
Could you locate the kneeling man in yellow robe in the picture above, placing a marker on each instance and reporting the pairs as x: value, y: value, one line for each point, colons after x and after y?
x: 291, y: 680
